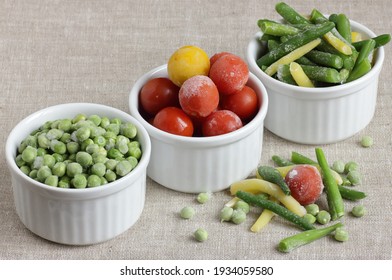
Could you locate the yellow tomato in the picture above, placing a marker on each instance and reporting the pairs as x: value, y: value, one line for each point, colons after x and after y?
x: 186, y: 62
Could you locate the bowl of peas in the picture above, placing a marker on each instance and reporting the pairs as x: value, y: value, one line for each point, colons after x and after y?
x: 78, y: 172
x: 321, y: 73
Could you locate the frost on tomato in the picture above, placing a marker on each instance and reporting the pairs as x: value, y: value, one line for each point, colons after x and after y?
x: 230, y: 73
x: 157, y: 94
x: 221, y: 122
x: 199, y: 96
x: 174, y: 120
x: 305, y: 183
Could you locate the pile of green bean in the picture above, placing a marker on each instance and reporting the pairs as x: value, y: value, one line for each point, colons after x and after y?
x: 86, y: 151
x: 335, y: 60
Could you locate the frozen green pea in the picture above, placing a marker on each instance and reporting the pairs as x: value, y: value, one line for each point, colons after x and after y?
x: 123, y: 168
x: 79, y: 181
x: 187, y: 212
x: 86, y: 143
x: 238, y: 216
x: 341, y: 234
x: 115, y: 154
x: 110, y: 135
x: 350, y: 166
x: 99, y: 158
x: 134, y: 144
x: 312, y: 209
x: 43, y: 173
x: 104, y: 122
x: 242, y: 205
x: 92, y: 148
x: 98, y: 169
x: 65, y: 125
x: 30, y: 140
x: 135, y: 152
x: 47, y: 125
x: 41, y: 151
x: 310, y: 218
x: 38, y: 162
x: 116, y: 121
x: 97, y: 131
x: 43, y: 141
x: 203, y: 197
x: 52, y: 180
x: 110, y: 143
x: 226, y: 213
x: 58, y: 157
x: 29, y: 154
x: 323, y: 217
x: 129, y: 130
x: 93, y: 181
x: 64, y: 182
x: 33, y: 174
x: 100, y: 140
x: 19, y: 160
x: 111, y: 164
x: 122, y: 147
x: 54, y: 133
x: 83, y: 133
x: 74, y: 168
x: 110, y: 175
x: 366, y: 141
x: 95, y: 119
x: 78, y: 118
x: 73, y: 147
x: 49, y: 160
x: 59, y: 169
x: 133, y: 161
x: 338, y: 166
x: 71, y: 158
x: 25, y: 169
x: 201, y: 235
x: 354, y: 177
x: 114, y: 128
x: 103, y: 181
x: 358, y: 211
x: 66, y: 138
x: 58, y: 147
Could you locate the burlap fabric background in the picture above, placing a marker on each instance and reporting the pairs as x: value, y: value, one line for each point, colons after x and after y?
x: 55, y: 52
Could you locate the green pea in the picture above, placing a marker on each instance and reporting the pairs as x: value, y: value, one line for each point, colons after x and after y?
x: 38, y: 162
x: 366, y: 141
x: 323, y: 217
x: 312, y: 209
x: 59, y: 169
x: 358, y: 211
x: 110, y: 175
x: 65, y: 125
x: 25, y: 169
x: 52, y: 180
x: 115, y: 154
x: 104, y: 122
x: 92, y: 148
x: 43, y: 173
x: 98, y: 169
x: 123, y: 168
x: 66, y: 138
x: 129, y: 130
x: 95, y: 119
x: 79, y: 181
x: 201, y: 235
x: 341, y: 235
x: 78, y: 118
x: 116, y: 121
x: 29, y: 154
x: 350, y: 166
x: 187, y: 212
x: 74, y: 168
x: 41, y: 152
x: 58, y: 147
x: 135, y: 152
x: 65, y: 182
x: 19, y: 160
x: 54, y: 133
x: 85, y: 143
x: 354, y: 177
x: 226, y: 213
x: 133, y: 161
x: 242, y: 205
x: 100, y: 140
x: 33, y: 174
x: 338, y: 166
x: 310, y: 218
x: 238, y: 217
x: 49, y: 160
x: 111, y: 164
x: 72, y: 147
x: 58, y: 157
x: 83, y: 133
x: 97, y: 131
x: 203, y: 197
x: 99, y: 158
x: 93, y: 181
x: 114, y: 128
x: 43, y: 141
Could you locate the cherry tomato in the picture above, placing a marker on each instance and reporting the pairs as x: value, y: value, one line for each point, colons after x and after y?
x: 244, y: 103
x: 199, y: 96
x: 230, y: 73
x: 216, y: 56
x: 174, y: 120
x: 305, y: 183
x: 221, y: 122
x: 157, y: 94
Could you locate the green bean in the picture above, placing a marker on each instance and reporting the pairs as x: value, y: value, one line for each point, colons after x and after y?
x: 365, y: 51
x: 281, y: 161
x: 276, y: 208
x: 380, y: 40
x: 298, y: 158
x: 272, y: 44
x: 283, y: 74
x: 275, y: 28
x: 351, y: 194
x: 325, y: 59
x: 292, y: 242
x: 293, y: 43
x: 289, y: 14
x: 334, y: 198
x: 343, y: 26
x: 348, y: 60
x: 359, y: 70
x: 322, y: 74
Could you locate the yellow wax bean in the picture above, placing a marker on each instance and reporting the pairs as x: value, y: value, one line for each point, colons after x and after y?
x: 299, y: 75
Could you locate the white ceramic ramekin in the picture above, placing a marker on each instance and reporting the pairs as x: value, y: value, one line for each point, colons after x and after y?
x: 202, y: 164
x: 319, y: 115
x: 77, y: 216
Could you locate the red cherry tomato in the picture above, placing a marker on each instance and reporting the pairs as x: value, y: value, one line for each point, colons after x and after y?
x: 305, y: 183
x: 199, y: 96
x: 216, y: 56
x: 221, y: 122
x: 174, y: 120
x: 244, y: 103
x: 157, y: 94
x: 230, y: 73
